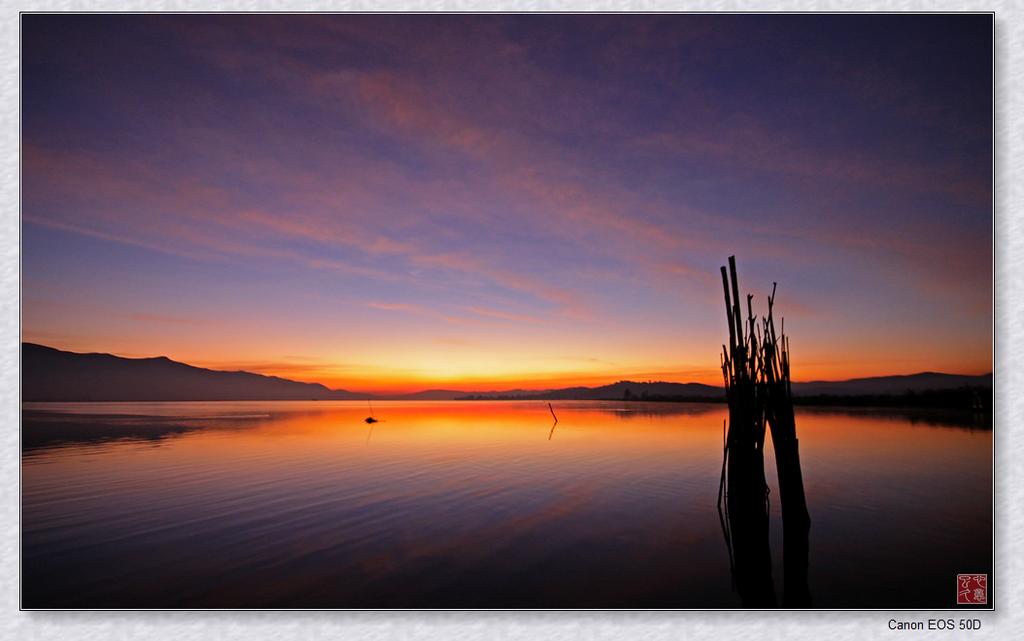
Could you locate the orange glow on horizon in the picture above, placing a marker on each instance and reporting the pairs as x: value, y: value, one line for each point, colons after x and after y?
x: 472, y: 375
x: 558, y: 381
x: 457, y: 231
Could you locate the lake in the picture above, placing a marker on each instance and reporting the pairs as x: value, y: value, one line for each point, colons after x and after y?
x: 478, y: 504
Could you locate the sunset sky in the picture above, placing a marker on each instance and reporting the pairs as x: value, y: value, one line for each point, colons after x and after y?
x: 400, y: 202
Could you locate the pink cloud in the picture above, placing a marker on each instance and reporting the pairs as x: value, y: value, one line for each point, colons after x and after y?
x: 163, y: 319
x: 508, y: 316
x: 750, y: 145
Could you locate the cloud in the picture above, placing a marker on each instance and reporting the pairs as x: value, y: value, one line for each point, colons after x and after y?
x: 508, y: 316
x: 492, y: 174
x: 750, y: 145
x: 163, y: 319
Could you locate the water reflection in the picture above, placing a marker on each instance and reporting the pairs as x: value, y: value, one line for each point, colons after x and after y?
x: 47, y: 429
x: 963, y: 419
x: 473, y: 504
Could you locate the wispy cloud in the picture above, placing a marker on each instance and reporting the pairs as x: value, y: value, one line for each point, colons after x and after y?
x: 508, y: 316
x: 163, y: 319
x: 578, y: 174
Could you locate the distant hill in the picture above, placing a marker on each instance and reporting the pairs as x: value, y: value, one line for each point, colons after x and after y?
x: 50, y: 374
x: 891, y: 385
x: 875, y: 387
x: 623, y: 389
x: 425, y: 395
x: 650, y: 390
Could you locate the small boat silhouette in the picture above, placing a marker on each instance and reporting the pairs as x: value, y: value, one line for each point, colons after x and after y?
x: 370, y: 419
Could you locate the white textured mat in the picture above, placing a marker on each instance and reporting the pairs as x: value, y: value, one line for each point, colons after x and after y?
x: 1006, y: 622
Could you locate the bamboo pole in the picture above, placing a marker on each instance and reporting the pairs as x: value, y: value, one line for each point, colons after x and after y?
x: 756, y: 373
x: 743, y: 485
x: 781, y: 421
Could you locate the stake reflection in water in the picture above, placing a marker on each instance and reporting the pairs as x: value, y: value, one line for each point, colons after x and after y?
x: 459, y: 504
x: 755, y: 366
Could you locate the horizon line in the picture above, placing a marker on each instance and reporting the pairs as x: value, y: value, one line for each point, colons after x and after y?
x: 473, y: 391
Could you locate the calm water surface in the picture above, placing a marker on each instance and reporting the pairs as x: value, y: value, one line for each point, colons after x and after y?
x: 476, y: 505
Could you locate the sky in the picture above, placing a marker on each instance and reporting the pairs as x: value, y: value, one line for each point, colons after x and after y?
x: 400, y: 202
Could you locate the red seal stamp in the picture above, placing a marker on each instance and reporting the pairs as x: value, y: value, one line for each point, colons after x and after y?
x: 971, y: 589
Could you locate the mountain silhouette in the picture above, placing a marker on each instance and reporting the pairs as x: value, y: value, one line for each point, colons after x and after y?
x: 50, y: 374
x: 878, y: 385
x: 638, y: 391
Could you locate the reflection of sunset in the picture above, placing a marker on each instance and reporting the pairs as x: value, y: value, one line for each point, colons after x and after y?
x: 470, y: 503
x: 438, y: 433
